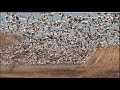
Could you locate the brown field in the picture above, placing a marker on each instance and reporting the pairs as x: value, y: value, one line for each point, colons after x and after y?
x: 103, y: 63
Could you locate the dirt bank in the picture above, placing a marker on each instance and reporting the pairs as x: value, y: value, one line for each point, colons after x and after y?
x: 7, y: 39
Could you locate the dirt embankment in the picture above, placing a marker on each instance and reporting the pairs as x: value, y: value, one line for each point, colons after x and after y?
x: 8, y: 39
x: 103, y: 63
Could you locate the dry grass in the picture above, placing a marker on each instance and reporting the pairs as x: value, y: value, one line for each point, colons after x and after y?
x: 103, y: 63
x: 8, y: 38
x: 38, y: 71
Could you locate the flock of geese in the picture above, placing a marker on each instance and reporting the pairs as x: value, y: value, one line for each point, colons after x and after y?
x: 66, y: 40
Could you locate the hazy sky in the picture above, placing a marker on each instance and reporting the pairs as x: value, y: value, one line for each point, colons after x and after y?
x: 37, y: 14
x: 56, y: 16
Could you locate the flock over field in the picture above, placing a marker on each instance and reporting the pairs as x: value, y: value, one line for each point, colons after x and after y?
x: 45, y: 40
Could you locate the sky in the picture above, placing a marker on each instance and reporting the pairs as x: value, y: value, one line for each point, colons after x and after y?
x: 37, y: 14
x: 56, y: 16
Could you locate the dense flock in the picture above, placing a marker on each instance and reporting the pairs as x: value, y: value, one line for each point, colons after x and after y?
x: 65, y: 40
